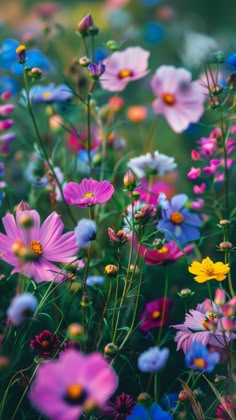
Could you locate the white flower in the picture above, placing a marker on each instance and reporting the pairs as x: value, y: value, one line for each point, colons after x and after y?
x: 145, y: 165
x: 197, y: 48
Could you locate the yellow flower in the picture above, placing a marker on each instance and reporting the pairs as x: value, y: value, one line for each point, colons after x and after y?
x: 207, y: 270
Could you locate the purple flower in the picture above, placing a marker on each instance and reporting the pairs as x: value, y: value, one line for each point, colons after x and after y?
x: 32, y: 249
x: 120, y: 408
x: 199, y: 358
x: 153, y: 359
x: 85, y: 232
x: 179, y: 221
x: 45, y: 344
x: 88, y: 193
x: 155, y: 314
x: 123, y: 67
x: 180, y: 100
x: 96, y: 70
x: 64, y: 388
x: 21, y: 308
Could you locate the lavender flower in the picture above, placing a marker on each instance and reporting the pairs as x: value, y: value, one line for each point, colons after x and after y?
x: 85, y: 232
x: 153, y: 359
x: 21, y: 308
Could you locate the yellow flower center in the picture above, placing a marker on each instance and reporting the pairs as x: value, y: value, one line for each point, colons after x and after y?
x: 162, y: 250
x: 47, y: 95
x: 156, y: 314
x: 199, y: 362
x: 169, y: 99
x: 75, y: 392
x: 89, y: 195
x: 205, y: 324
x: 210, y: 271
x: 177, y: 218
x: 20, y: 49
x: 125, y: 73
x: 36, y: 247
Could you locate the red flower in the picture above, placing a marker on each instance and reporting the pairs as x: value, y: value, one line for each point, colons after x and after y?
x: 45, y: 344
x: 230, y: 403
x: 155, y: 314
x: 120, y: 408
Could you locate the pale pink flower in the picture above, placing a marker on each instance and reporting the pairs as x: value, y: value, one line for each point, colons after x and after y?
x: 123, y: 67
x: 179, y: 100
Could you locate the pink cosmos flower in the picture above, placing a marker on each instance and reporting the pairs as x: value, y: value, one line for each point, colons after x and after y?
x: 166, y: 254
x: 179, y: 99
x: 30, y: 249
x: 88, y: 193
x: 155, y: 314
x: 204, y: 326
x: 194, y: 173
x: 123, y: 67
x: 66, y: 387
x: 150, y: 195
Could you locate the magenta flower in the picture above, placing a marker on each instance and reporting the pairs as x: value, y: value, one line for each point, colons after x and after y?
x: 123, y: 67
x: 179, y: 99
x: 64, y: 388
x: 45, y: 344
x: 165, y: 254
x: 88, y: 193
x: 31, y: 249
x: 155, y: 314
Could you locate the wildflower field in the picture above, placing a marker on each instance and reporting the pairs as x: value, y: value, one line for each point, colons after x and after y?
x: 117, y: 210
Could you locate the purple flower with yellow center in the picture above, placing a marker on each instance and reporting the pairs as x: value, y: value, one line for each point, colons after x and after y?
x: 74, y: 383
x: 199, y: 358
x: 123, y: 67
x: 155, y: 313
x: 49, y: 93
x: 88, y: 193
x: 179, y: 222
x: 32, y: 249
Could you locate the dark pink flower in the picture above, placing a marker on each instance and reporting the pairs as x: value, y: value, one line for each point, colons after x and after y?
x: 166, y: 254
x: 32, y: 249
x: 230, y: 403
x: 64, y: 388
x: 88, y: 193
x: 120, y: 408
x: 45, y: 344
x: 150, y: 195
x: 123, y: 67
x: 155, y: 314
x: 179, y: 100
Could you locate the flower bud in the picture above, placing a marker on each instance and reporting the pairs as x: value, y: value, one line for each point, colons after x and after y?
x: 21, y: 54
x: 183, y: 396
x: 219, y: 378
x: 36, y: 73
x: 216, y: 89
x: 227, y: 324
x: 111, y: 349
x: 184, y: 293
x: 85, y: 301
x: 75, y: 331
x: 111, y: 270
x: 84, y: 61
x: 96, y: 70
x: 220, y: 296
x: 19, y: 249
x: 224, y: 222
x: 135, y: 195
x: 120, y: 238
x: 225, y: 245
x: 112, y: 45
x: 26, y: 221
x: 144, y: 214
x: 129, y: 180
x: 144, y: 399
x: 84, y: 25
x: 22, y: 206
x: 116, y: 103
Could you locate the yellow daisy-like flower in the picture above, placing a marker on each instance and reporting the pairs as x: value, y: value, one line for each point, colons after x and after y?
x: 207, y: 270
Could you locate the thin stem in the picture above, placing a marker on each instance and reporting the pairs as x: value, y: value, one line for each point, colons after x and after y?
x: 103, y: 314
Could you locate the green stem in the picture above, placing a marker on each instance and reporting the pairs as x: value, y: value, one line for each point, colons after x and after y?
x: 166, y: 280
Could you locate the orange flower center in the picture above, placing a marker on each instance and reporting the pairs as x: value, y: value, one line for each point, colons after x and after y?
x: 76, y: 395
x: 199, y: 362
x: 169, y: 99
x: 89, y: 195
x: 45, y: 344
x: 47, y: 95
x: 36, y: 247
x: 156, y: 314
x: 210, y: 270
x: 125, y: 73
x: 177, y: 218
x: 162, y: 250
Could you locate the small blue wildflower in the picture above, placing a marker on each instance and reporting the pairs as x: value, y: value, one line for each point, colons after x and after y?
x: 153, y: 359
x: 50, y: 93
x: 85, y: 232
x: 199, y: 358
x: 153, y: 412
x: 154, y: 32
x: 100, y: 54
x: 94, y: 280
x: 179, y: 221
x: 22, y: 307
x: 231, y: 61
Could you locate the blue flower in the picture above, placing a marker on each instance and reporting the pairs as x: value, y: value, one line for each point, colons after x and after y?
x: 199, y: 358
x: 22, y: 307
x: 9, y: 62
x: 8, y: 84
x: 153, y: 412
x: 169, y: 401
x: 179, y: 221
x: 49, y: 93
x: 153, y: 359
x: 154, y: 32
x: 94, y: 280
x: 231, y: 61
x: 85, y: 232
